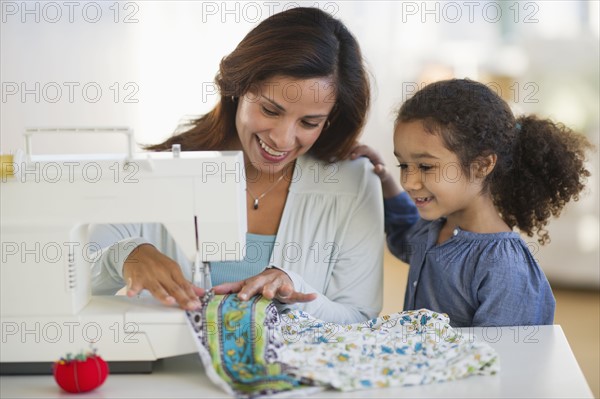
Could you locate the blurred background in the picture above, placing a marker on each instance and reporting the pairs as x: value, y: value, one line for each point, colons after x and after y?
x: 150, y: 64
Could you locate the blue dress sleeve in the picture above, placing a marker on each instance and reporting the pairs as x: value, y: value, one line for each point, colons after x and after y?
x: 400, y: 215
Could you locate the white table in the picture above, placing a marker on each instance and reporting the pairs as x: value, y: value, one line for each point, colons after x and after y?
x: 535, y: 362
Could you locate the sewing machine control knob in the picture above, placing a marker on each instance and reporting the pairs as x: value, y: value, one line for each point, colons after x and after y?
x: 7, y: 166
x: 176, y: 150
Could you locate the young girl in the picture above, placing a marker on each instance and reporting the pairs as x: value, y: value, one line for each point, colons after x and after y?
x: 471, y: 173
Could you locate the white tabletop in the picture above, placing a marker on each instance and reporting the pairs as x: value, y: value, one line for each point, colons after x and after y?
x: 535, y: 362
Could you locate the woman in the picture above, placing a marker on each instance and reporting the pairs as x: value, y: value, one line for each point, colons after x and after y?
x: 294, y: 98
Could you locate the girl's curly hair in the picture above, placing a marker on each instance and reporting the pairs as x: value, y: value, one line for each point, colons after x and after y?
x: 540, y: 164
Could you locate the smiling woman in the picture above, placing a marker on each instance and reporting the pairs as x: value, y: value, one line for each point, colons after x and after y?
x: 294, y: 98
x: 277, y: 122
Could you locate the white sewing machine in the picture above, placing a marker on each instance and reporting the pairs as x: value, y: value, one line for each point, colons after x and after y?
x: 47, y: 309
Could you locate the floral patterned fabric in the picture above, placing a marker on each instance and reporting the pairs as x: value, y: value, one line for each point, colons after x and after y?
x: 250, y: 350
x: 407, y: 348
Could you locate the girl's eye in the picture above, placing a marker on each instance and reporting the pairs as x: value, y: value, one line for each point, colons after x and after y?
x: 268, y: 112
x: 421, y: 166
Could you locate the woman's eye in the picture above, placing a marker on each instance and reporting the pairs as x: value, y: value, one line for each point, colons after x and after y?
x: 403, y: 166
x: 425, y: 167
x: 268, y: 112
x: 310, y: 125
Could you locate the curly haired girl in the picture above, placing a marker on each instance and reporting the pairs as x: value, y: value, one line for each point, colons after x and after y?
x: 472, y: 173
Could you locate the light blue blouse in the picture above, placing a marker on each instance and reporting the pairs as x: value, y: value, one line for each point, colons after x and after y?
x: 477, y: 279
x: 256, y: 258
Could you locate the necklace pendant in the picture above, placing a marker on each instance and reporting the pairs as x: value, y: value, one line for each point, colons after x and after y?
x: 255, y: 203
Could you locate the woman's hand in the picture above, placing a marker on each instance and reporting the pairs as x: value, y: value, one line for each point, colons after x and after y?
x: 147, y: 268
x: 388, y: 184
x: 271, y: 283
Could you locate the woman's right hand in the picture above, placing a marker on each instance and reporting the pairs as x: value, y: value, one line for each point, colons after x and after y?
x: 272, y: 283
x: 388, y: 184
x: 147, y: 268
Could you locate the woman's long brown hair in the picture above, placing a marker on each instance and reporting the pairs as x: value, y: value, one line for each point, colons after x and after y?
x: 299, y: 43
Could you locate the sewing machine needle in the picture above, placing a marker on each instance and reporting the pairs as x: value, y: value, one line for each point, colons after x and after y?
x: 196, y: 272
x: 201, y: 272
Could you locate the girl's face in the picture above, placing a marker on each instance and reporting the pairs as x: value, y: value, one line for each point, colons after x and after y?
x: 280, y: 119
x: 433, y: 176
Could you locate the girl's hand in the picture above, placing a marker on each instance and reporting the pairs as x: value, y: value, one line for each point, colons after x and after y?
x: 271, y: 283
x: 388, y: 184
x: 147, y: 268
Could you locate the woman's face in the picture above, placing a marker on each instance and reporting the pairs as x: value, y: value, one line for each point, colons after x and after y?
x: 280, y: 119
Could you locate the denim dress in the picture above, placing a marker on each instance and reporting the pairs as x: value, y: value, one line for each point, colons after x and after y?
x: 476, y: 279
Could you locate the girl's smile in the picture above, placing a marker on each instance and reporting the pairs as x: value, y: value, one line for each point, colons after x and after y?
x: 421, y: 202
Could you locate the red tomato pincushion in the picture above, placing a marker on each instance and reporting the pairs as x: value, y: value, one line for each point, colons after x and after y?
x: 81, y: 373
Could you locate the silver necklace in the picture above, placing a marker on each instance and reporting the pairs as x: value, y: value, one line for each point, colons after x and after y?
x: 256, y: 199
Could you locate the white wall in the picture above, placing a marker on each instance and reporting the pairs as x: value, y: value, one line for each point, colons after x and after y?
x: 154, y: 63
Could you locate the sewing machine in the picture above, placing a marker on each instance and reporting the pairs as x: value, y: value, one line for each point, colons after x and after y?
x: 47, y: 203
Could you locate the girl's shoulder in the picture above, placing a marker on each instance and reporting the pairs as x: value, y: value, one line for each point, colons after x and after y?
x: 469, y: 248
x: 501, y: 254
x: 501, y: 244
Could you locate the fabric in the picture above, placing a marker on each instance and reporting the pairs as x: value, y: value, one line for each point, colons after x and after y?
x: 477, y: 279
x: 239, y: 344
x: 330, y: 241
x: 408, y: 348
x: 249, y: 350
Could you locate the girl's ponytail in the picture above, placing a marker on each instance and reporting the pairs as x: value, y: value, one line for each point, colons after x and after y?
x: 547, y: 171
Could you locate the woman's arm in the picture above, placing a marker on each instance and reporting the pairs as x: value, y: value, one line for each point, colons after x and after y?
x: 114, y: 242
x: 353, y: 287
x: 133, y: 255
x: 328, y: 256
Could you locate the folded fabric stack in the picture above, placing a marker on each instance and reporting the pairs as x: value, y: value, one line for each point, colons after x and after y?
x: 250, y: 350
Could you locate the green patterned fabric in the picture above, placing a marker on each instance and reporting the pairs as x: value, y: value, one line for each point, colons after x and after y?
x: 241, y: 341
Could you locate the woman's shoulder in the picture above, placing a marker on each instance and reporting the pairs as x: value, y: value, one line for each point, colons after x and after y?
x: 346, y: 177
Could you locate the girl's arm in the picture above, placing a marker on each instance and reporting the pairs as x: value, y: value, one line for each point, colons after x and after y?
x: 400, y: 215
x: 389, y: 186
x: 399, y: 210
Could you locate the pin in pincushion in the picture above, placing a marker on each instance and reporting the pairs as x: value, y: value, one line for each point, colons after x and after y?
x: 81, y: 373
